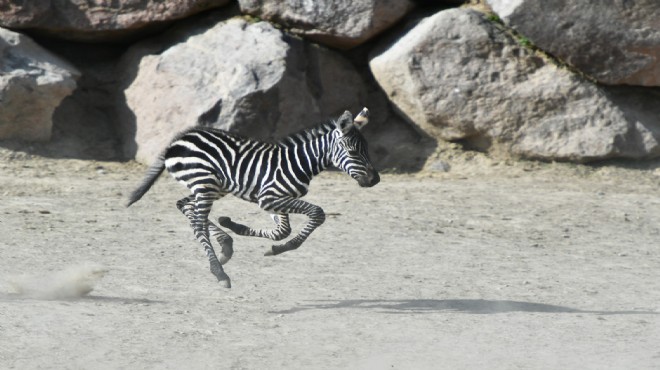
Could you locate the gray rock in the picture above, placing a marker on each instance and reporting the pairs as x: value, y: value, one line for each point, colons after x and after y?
x: 33, y: 82
x: 616, y: 42
x: 459, y: 77
x: 438, y: 166
x: 97, y: 21
x: 246, y: 77
x: 338, y: 23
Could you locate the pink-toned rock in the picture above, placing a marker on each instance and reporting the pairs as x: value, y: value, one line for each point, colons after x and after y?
x: 338, y: 23
x: 98, y: 20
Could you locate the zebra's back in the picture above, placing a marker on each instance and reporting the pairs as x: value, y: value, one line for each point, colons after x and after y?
x: 207, y: 160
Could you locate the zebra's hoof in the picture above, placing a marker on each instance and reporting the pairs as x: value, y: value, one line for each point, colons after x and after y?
x: 219, y: 273
x: 275, y: 250
x: 226, y: 283
x: 224, y: 221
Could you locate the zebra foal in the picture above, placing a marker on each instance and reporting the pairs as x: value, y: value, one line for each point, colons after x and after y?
x: 213, y: 163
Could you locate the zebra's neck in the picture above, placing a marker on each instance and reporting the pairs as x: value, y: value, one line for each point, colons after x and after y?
x: 311, y: 150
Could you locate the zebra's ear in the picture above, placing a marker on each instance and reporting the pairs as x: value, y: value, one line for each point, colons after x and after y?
x: 345, y: 122
x: 362, y: 118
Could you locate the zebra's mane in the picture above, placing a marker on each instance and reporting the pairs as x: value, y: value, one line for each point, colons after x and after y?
x: 320, y: 129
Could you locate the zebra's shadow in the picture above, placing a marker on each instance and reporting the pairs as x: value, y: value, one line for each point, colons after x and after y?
x: 471, y: 306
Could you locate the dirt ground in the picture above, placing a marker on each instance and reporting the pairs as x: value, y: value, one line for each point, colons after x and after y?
x: 491, y: 265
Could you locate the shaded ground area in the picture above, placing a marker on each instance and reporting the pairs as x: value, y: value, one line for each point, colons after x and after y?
x: 487, y: 266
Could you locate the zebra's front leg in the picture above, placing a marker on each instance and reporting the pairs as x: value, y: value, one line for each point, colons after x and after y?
x: 187, y: 207
x: 288, y: 205
x: 200, y: 225
x: 282, y: 230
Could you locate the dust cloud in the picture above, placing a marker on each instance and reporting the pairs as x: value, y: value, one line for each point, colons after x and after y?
x: 72, y: 282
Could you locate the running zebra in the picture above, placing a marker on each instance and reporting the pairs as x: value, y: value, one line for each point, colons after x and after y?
x: 213, y: 163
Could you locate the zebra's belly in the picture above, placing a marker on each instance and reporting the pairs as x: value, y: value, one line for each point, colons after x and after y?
x: 247, y: 192
x: 246, y: 197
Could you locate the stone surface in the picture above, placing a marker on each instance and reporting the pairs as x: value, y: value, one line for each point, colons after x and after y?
x: 246, y: 77
x: 459, y: 77
x: 33, y: 83
x: 99, y: 20
x: 615, y: 41
x: 337, y: 23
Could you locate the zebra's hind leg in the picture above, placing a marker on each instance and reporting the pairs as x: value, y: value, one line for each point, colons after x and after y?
x: 225, y: 241
x: 200, y: 224
x: 288, y: 205
x: 187, y: 207
x: 282, y: 230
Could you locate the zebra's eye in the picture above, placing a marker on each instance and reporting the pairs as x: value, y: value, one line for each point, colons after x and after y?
x: 352, y: 153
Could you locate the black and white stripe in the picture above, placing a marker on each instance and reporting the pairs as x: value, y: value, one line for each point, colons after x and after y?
x: 213, y: 163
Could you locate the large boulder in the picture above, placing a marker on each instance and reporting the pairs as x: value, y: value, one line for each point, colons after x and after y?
x: 338, y: 23
x: 33, y: 82
x: 83, y: 20
x: 246, y: 77
x: 616, y: 42
x: 459, y: 76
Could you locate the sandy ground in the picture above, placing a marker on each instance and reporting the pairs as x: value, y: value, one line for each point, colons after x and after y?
x: 502, y: 266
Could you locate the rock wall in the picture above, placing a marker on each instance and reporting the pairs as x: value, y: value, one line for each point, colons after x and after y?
x: 548, y: 80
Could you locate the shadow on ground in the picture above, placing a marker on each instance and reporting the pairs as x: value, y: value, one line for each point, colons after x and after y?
x: 472, y: 306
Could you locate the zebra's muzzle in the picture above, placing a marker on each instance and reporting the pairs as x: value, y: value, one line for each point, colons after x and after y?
x: 370, y: 179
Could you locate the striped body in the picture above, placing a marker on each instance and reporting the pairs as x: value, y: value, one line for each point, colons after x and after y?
x: 213, y: 163
x: 227, y: 163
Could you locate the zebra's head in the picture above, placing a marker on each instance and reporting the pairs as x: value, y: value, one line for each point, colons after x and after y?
x: 350, y: 152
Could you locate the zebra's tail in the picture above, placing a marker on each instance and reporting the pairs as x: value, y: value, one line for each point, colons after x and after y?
x: 152, y: 175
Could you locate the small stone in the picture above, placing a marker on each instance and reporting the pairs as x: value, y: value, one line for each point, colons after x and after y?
x: 439, y: 166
